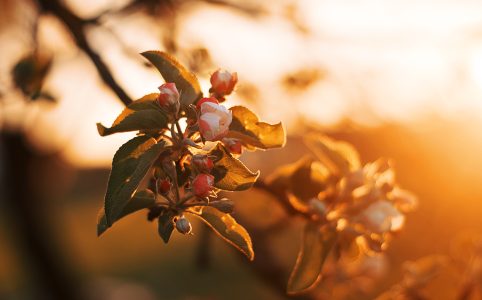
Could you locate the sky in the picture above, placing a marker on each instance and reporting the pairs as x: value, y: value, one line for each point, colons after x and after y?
x: 378, y: 62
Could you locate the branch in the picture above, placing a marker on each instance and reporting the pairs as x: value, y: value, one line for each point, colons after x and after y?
x: 76, y: 26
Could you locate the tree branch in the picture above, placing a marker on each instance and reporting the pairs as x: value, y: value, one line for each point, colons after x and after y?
x: 76, y: 26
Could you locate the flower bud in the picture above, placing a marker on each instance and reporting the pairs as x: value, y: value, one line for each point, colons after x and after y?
x: 169, y: 97
x: 183, y: 225
x: 202, y: 185
x: 202, y: 162
x: 234, y: 145
x: 164, y: 186
x: 223, y: 82
x: 224, y: 205
x: 205, y: 100
x: 214, y: 119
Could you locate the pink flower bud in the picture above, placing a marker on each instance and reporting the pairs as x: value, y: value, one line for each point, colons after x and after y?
x: 223, y: 82
x: 169, y: 97
x: 183, y: 225
x: 202, y: 185
x: 234, y: 145
x: 205, y: 100
x: 202, y: 162
x: 164, y: 186
x: 214, y: 119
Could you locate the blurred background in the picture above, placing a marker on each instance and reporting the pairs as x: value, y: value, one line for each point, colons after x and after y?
x: 398, y: 79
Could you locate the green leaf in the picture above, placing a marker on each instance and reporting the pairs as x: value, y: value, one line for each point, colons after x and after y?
x: 253, y: 133
x: 166, y: 225
x: 227, y: 228
x: 172, y: 71
x: 130, y: 164
x: 316, y: 246
x: 339, y: 157
x: 142, y: 114
x: 230, y: 173
x: 140, y: 200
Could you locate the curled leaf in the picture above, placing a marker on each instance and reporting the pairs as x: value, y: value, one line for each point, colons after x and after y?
x: 172, y: 71
x: 130, y: 164
x: 230, y: 174
x: 140, y: 200
x: 253, y: 133
x: 315, y: 247
x: 142, y: 114
x: 227, y: 228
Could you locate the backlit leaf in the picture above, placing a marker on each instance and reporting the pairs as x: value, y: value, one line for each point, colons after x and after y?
x: 172, y: 71
x: 140, y: 200
x: 227, y: 228
x: 316, y: 246
x: 305, y: 178
x: 130, y: 164
x: 253, y: 133
x: 142, y: 114
x: 339, y: 157
x: 230, y: 173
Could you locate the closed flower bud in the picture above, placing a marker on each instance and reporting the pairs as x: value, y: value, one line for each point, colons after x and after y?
x: 224, y: 205
x: 214, y: 119
x: 164, y: 186
x: 223, y: 82
x: 202, y: 162
x: 169, y: 97
x: 202, y: 185
x: 234, y: 145
x: 183, y: 225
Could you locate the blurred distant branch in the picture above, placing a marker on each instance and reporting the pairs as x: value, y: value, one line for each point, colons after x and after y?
x: 76, y: 26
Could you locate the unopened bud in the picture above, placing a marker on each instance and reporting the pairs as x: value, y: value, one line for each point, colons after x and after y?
x: 202, y: 185
x: 164, y: 186
x: 169, y: 97
x: 234, y: 145
x: 224, y: 205
x: 202, y: 162
x: 223, y: 82
x: 183, y: 225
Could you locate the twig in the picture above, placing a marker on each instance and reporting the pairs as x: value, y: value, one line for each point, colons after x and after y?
x: 76, y: 26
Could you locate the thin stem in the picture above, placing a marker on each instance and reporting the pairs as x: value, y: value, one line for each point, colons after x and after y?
x: 179, y: 130
x: 176, y: 186
x: 186, y: 197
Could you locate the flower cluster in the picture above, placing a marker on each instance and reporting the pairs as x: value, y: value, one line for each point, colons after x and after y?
x: 346, y: 204
x: 184, y: 168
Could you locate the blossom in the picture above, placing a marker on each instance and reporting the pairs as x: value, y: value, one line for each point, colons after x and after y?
x: 214, y: 119
x: 223, y: 82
